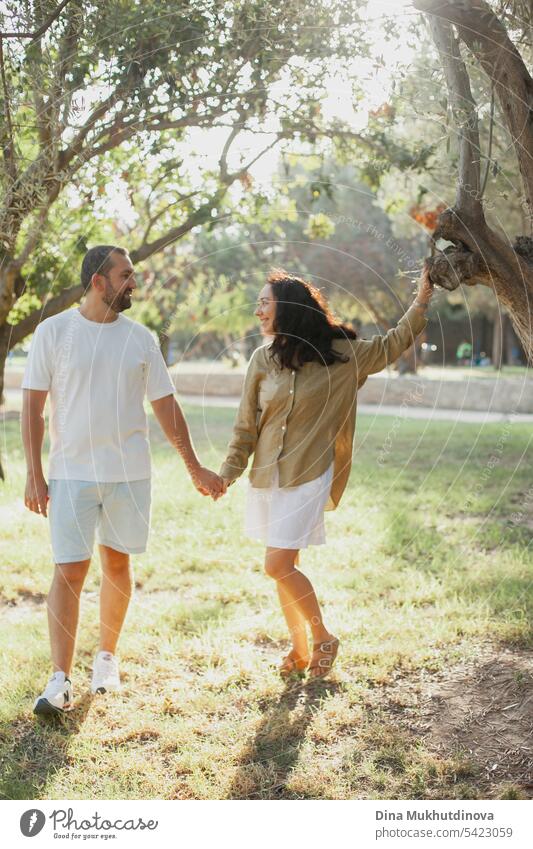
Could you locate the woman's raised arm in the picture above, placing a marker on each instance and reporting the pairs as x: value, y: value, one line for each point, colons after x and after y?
x: 374, y: 354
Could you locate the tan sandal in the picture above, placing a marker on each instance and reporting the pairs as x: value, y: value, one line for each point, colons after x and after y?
x: 293, y: 665
x: 329, y: 649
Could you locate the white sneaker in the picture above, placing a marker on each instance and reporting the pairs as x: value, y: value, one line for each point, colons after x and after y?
x: 56, y: 698
x: 105, y: 673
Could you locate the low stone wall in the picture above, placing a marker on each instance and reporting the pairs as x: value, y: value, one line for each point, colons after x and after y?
x: 498, y: 395
x: 205, y: 383
x: 13, y: 378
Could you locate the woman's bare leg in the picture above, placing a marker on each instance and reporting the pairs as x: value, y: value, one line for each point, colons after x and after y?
x: 279, y: 564
x: 296, y: 624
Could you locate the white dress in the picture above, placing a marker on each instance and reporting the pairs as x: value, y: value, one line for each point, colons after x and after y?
x: 291, y: 516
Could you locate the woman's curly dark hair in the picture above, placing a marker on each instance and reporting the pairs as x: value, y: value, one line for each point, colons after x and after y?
x: 303, y: 323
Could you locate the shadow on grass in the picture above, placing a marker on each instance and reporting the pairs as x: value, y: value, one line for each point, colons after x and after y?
x: 267, y: 761
x: 33, y: 749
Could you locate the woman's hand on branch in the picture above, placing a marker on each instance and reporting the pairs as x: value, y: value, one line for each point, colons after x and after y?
x: 425, y: 287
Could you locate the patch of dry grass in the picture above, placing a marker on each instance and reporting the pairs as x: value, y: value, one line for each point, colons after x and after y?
x: 422, y: 569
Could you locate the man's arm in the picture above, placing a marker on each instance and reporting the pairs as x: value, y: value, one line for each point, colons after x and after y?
x: 36, y: 493
x: 170, y: 417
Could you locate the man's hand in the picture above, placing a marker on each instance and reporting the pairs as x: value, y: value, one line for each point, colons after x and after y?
x: 170, y: 416
x: 208, y: 483
x: 36, y: 494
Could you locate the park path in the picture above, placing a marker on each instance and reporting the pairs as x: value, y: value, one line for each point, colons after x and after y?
x: 403, y: 411
x: 14, y: 397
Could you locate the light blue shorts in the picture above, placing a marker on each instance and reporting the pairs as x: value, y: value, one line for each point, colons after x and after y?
x: 118, y: 513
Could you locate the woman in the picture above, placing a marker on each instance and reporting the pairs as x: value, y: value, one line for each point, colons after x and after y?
x: 297, y: 417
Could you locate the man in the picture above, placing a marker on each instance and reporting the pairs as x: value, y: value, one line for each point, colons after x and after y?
x: 97, y: 365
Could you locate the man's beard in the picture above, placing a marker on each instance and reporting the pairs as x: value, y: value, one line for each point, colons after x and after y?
x: 117, y: 301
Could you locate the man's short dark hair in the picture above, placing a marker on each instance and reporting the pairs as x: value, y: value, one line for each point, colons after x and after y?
x: 98, y: 260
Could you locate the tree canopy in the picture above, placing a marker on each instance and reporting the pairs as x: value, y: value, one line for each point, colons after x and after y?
x: 113, y: 93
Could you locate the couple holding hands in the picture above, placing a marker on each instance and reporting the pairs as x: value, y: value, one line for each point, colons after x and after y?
x: 296, y: 417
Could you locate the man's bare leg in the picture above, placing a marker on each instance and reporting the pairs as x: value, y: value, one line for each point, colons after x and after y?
x: 63, y: 606
x: 115, y: 594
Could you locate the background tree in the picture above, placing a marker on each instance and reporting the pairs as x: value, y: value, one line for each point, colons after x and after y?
x: 110, y: 95
x: 322, y: 222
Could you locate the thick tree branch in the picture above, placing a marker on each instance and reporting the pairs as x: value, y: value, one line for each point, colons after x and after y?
x: 76, y: 145
x: 153, y: 218
x: 66, y: 50
x: 52, y: 306
x: 489, y: 145
x: 8, y: 277
x: 120, y: 129
x: 223, y: 161
x: 37, y: 93
x: 42, y: 29
x: 199, y: 216
x: 488, y: 40
x: 32, y: 239
x: 467, y: 201
x: 8, y: 145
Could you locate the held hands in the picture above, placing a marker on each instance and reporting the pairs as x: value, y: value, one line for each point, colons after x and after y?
x: 208, y: 482
x: 36, y: 494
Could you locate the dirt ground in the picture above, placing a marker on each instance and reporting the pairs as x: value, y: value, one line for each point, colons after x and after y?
x: 482, y: 709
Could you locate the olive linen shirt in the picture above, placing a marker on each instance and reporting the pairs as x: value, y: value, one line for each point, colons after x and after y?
x: 304, y: 419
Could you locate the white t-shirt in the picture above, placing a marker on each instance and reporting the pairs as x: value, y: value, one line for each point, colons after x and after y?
x: 97, y: 376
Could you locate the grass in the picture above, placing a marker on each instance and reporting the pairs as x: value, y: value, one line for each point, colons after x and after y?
x: 423, y: 570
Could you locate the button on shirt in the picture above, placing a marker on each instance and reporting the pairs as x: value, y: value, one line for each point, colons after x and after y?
x: 97, y: 375
x: 312, y: 409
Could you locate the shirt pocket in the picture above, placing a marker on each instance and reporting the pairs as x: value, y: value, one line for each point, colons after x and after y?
x: 268, y: 389
x: 134, y: 377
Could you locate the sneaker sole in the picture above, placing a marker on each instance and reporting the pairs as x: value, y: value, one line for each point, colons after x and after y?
x: 101, y: 690
x: 45, y: 708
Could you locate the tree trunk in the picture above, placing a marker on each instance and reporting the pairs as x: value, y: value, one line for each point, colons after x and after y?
x: 480, y: 255
x: 164, y: 344
x: 489, y: 42
x: 407, y: 363
x: 4, y: 348
x: 497, y: 341
x: 509, y: 343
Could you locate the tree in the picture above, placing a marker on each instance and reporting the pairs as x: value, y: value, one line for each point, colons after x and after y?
x: 478, y: 253
x: 112, y: 91
x: 344, y: 242
x: 322, y: 223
